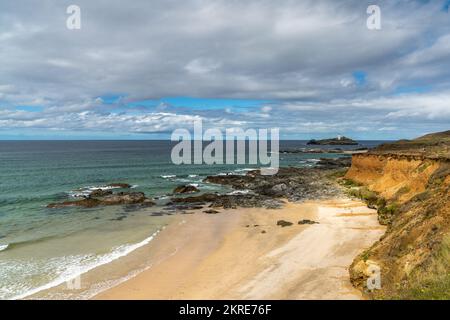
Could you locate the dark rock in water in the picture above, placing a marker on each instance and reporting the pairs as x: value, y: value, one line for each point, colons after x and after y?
x: 100, y: 193
x: 120, y: 185
x: 264, y: 231
x: 284, y: 223
x: 109, y: 199
x: 87, y: 203
x: 186, y: 189
x: 211, y: 211
x: 307, y: 221
x: 123, y: 198
x: 342, y: 141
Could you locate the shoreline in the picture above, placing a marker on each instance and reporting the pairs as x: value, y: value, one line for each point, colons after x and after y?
x: 243, y: 254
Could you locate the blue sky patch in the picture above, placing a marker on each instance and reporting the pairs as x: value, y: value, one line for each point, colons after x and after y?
x: 30, y: 108
x: 360, y: 77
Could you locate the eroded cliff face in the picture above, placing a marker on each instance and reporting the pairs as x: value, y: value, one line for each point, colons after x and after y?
x: 395, y: 177
x: 415, y: 250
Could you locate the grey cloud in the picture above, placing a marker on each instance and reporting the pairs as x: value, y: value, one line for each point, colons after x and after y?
x: 297, y: 53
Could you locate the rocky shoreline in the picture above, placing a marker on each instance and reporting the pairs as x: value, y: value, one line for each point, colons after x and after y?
x: 251, y: 190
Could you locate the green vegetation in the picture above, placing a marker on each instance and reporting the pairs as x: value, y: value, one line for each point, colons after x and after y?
x: 337, y: 174
x: 423, y: 166
x: 387, y: 212
x: 350, y: 183
x: 433, y: 284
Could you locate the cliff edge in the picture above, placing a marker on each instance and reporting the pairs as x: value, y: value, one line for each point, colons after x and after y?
x: 408, y: 182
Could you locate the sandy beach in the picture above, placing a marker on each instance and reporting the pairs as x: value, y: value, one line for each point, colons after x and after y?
x: 243, y: 254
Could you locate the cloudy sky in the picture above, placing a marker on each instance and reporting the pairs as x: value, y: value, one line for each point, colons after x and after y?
x: 140, y: 69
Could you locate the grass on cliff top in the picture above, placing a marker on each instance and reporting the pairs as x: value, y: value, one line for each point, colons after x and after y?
x: 433, y: 284
x: 434, y: 144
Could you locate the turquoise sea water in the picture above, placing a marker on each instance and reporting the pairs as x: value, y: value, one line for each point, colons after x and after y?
x: 41, y: 247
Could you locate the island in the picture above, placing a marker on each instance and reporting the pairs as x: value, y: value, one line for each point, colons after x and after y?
x: 339, y: 140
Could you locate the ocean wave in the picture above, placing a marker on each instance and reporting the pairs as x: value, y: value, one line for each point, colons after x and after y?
x: 239, y: 192
x: 169, y: 176
x: 244, y: 170
x: 73, y: 269
x: 3, y: 247
x: 193, y: 176
x: 85, y: 191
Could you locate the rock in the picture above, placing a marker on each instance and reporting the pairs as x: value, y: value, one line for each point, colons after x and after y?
x: 107, y: 199
x: 211, y: 211
x: 87, y: 203
x: 230, y: 201
x: 264, y: 231
x: 100, y: 193
x: 206, y: 197
x: 120, y: 185
x: 307, y: 221
x: 327, y: 163
x: 279, y: 188
x: 284, y: 223
x: 186, y: 189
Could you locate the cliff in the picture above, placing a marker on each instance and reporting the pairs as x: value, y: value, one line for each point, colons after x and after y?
x: 409, y: 183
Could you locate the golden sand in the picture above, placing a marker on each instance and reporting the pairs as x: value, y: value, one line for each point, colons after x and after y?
x: 243, y: 254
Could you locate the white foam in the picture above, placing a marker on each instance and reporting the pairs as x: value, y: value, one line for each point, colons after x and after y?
x: 193, y: 176
x: 169, y: 176
x: 83, y: 192
x: 75, y: 271
x: 239, y: 192
x: 3, y: 247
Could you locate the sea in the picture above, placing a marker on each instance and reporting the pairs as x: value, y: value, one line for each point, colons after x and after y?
x: 41, y: 248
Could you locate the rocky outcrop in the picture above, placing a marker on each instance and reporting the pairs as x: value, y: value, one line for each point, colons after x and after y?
x: 228, y: 201
x: 120, y: 185
x: 186, y: 189
x: 106, y: 198
x: 292, y: 183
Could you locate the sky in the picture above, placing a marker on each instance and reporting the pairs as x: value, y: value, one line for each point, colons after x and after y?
x: 143, y: 68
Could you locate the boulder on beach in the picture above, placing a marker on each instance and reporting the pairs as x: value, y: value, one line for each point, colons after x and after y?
x: 211, y: 211
x: 307, y: 221
x: 284, y: 223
